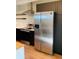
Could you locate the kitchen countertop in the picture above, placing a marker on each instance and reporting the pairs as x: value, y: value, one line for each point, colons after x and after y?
x: 26, y: 30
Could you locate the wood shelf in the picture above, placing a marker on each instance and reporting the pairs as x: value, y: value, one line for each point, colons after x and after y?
x: 21, y: 16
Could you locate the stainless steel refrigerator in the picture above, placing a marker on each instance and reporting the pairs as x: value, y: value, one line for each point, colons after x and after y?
x: 44, y: 31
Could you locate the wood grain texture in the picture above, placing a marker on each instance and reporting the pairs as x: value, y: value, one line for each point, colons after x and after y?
x: 32, y: 53
x: 51, y: 6
x: 19, y: 45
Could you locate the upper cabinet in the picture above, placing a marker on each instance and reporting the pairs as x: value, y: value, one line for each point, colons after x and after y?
x: 19, y: 2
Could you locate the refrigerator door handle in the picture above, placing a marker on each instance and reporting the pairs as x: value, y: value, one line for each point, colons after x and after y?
x: 36, y: 26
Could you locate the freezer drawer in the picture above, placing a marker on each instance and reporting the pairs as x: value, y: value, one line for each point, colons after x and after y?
x: 47, y: 48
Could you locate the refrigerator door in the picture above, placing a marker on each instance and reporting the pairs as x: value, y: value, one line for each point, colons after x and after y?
x: 47, y: 32
x: 37, y: 31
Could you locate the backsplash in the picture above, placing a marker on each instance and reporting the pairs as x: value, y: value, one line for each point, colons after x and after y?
x: 23, y: 23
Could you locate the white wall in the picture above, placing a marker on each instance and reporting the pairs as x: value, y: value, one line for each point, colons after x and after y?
x: 21, y: 8
x: 20, y: 23
x: 23, y: 23
x: 19, y: 2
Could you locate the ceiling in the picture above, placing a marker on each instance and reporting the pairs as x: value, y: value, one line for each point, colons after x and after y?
x: 19, y: 2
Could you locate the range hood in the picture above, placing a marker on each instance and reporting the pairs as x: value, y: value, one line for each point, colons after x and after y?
x: 25, y: 9
x: 31, y: 11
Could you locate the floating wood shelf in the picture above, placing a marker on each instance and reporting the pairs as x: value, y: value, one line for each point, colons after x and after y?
x: 21, y: 16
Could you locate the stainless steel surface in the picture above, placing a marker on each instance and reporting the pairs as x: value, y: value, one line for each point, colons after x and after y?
x: 37, y: 31
x: 44, y: 31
